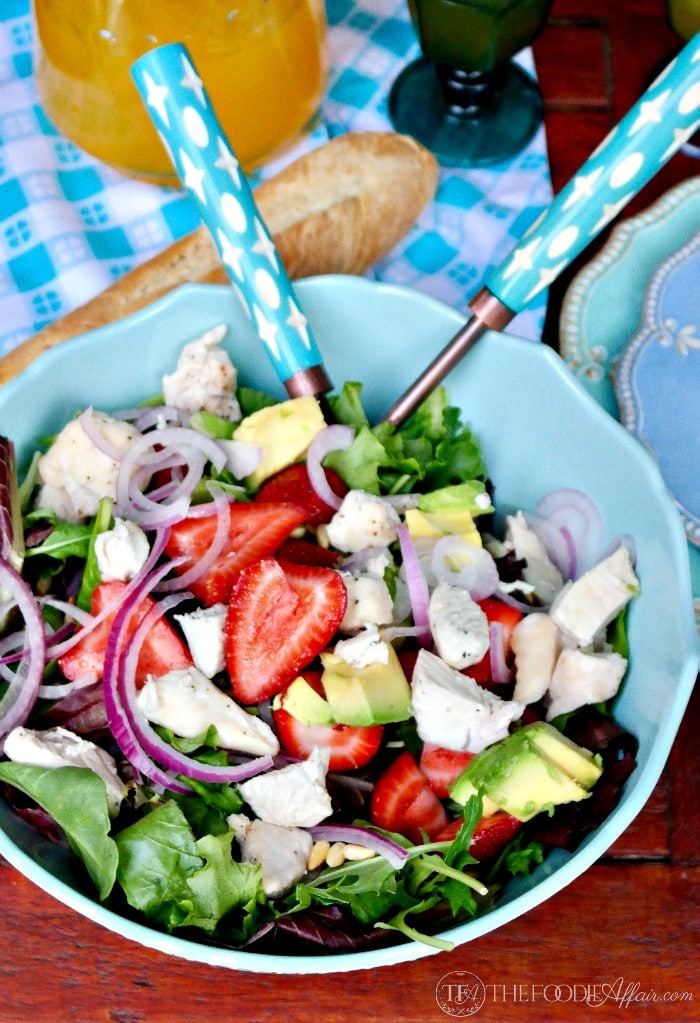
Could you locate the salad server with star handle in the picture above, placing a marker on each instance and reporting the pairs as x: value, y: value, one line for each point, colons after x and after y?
x: 661, y: 121
x: 182, y: 113
x: 666, y: 115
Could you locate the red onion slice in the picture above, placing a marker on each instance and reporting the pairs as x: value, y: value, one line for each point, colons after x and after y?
x: 60, y: 691
x: 157, y: 450
x: 478, y: 573
x: 21, y: 693
x: 416, y: 585
x: 557, y: 542
x: 392, y: 852
x: 222, y: 510
x: 96, y: 437
x: 241, y: 458
x: 331, y: 438
x: 137, y: 739
x: 574, y: 511
x: 501, y: 673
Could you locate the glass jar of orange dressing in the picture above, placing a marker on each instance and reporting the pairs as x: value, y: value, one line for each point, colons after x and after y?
x: 262, y: 62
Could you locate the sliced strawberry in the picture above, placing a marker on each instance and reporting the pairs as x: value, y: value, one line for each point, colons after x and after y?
x: 495, y: 611
x: 403, y: 801
x: 280, y: 617
x: 255, y: 532
x: 442, y: 766
x: 163, y: 650
x: 293, y: 484
x: 306, y: 552
x: 491, y: 835
x: 350, y: 746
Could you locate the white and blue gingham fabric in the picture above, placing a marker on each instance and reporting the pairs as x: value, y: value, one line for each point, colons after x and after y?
x: 70, y: 225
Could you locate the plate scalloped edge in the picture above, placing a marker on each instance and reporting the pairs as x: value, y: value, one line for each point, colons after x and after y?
x: 590, y: 366
x: 652, y: 326
x: 573, y: 348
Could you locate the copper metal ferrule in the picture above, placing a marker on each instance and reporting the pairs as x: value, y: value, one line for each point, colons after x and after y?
x: 488, y: 313
x: 312, y: 381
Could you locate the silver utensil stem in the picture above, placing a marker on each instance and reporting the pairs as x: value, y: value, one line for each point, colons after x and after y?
x: 488, y: 313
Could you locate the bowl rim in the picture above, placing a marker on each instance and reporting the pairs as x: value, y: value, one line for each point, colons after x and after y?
x: 563, y: 869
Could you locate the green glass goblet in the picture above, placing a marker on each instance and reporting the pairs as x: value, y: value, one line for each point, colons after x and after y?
x: 465, y: 99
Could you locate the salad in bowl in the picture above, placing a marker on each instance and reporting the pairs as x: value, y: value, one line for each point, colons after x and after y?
x: 290, y: 690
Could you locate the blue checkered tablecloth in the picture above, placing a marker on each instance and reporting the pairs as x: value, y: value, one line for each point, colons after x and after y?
x: 70, y: 225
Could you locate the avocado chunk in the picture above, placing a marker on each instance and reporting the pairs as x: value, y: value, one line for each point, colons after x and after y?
x: 433, y: 525
x: 284, y: 433
x: 528, y: 772
x: 303, y: 702
x: 579, y: 763
x: 449, y: 511
x: 374, y: 694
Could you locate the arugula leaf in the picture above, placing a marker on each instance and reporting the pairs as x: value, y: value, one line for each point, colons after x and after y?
x: 66, y: 539
x: 377, y: 894
x: 398, y: 923
x: 523, y: 859
x: 91, y: 573
x: 76, y: 798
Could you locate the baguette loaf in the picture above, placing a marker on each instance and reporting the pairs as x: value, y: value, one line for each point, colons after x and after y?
x: 338, y: 209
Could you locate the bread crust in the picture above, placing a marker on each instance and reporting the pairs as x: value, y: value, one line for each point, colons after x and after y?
x: 337, y: 209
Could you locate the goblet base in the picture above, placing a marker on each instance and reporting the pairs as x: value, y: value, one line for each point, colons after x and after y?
x: 492, y: 129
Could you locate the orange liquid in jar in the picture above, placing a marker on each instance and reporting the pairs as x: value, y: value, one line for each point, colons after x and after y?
x: 262, y: 62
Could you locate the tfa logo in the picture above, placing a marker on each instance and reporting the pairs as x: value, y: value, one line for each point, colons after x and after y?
x: 460, y: 993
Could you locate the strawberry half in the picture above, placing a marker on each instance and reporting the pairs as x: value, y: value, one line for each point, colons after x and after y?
x: 280, y: 616
x: 163, y: 650
x: 350, y: 746
x: 403, y: 801
x: 491, y: 835
x: 293, y: 484
x: 255, y: 531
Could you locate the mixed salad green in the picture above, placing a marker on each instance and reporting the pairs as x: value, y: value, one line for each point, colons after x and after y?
x: 279, y: 685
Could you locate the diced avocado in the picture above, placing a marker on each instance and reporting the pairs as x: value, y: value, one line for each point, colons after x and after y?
x: 579, y: 763
x: 433, y: 525
x: 467, y: 789
x: 284, y: 433
x: 304, y: 703
x: 372, y: 695
x: 519, y: 777
x: 469, y: 495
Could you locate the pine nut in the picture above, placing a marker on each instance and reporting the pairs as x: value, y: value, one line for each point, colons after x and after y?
x: 358, y: 852
x: 318, y: 854
x: 336, y: 855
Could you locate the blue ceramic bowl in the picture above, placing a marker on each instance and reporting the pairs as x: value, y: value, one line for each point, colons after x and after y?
x: 539, y: 430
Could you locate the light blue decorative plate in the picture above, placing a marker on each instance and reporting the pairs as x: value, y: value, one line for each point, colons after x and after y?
x: 658, y: 380
x: 603, y: 306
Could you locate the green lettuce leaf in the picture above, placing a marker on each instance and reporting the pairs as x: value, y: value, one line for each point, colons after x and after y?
x: 433, y: 449
x: 76, y: 798
x: 157, y: 856
x: 220, y: 885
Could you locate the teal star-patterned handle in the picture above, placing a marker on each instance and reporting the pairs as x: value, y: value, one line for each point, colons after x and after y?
x: 657, y: 125
x: 179, y: 106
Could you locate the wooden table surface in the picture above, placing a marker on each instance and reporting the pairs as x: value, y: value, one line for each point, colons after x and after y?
x: 630, y: 923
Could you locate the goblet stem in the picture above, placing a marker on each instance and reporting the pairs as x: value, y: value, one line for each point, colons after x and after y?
x: 468, y: 95
x: 467, y: 118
